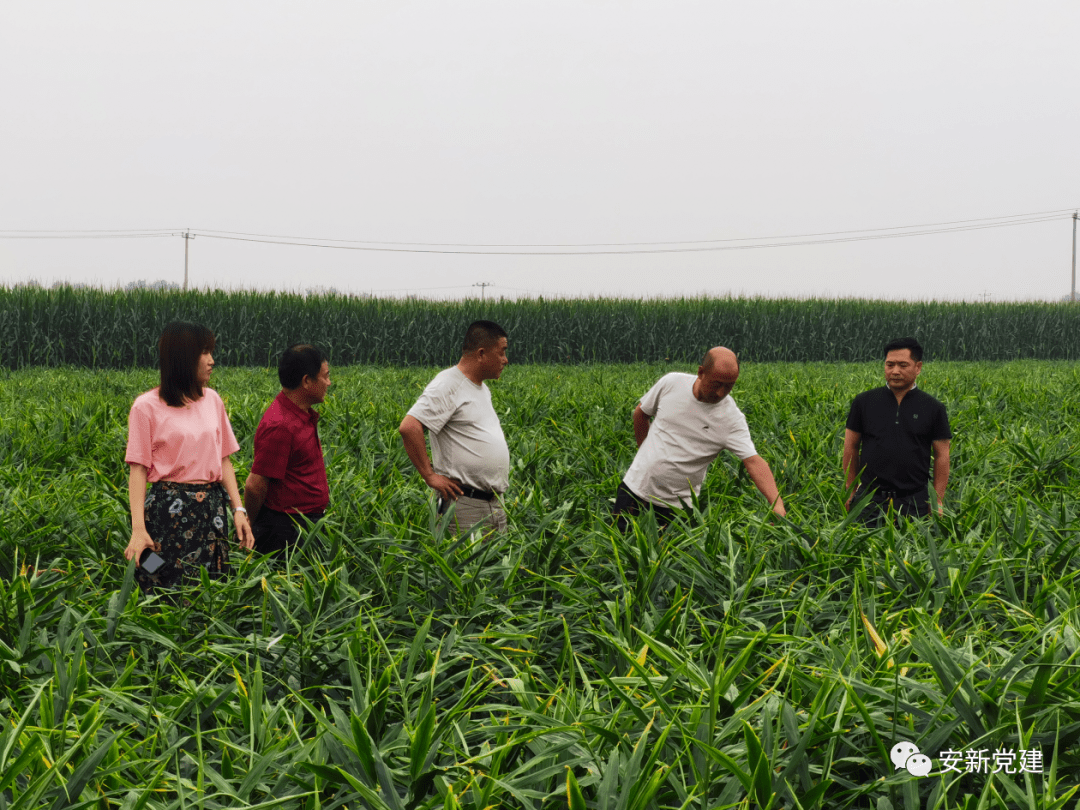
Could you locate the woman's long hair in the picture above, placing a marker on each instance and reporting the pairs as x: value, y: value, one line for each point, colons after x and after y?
x: 179, y: 349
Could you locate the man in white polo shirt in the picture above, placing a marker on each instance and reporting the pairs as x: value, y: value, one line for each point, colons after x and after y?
x: 470, y: 459
x: 680, y: 426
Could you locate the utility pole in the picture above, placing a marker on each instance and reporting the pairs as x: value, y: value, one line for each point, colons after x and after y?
x: 483, y: 285
x: 188, y: 236
x: 1072, y: 293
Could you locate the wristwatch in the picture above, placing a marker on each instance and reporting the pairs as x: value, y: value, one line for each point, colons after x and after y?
x: 239, y: 509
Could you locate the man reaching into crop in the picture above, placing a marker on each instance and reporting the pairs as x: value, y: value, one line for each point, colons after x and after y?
x: 470, y: 459
x: 680, y: 426
x: 891, y: 434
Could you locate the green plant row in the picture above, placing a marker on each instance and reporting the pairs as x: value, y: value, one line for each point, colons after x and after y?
x: 732, y: 661
x: 101, y: 329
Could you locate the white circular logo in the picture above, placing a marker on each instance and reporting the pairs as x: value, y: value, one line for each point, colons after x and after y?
x: 906, y: 755
x: 918, y: 764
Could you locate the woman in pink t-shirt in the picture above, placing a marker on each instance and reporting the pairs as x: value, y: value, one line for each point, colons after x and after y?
x: 180, y: 440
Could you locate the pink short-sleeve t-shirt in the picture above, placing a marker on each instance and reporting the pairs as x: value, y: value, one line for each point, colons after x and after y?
x: 180, y: 444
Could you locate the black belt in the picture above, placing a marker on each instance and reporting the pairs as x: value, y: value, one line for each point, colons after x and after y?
x: 896, y: 493
x: 478, y: 494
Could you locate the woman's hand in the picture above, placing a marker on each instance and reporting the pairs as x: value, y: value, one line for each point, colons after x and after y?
x: 243, y: 530
x: 240, y: 519
x: 140, y: 541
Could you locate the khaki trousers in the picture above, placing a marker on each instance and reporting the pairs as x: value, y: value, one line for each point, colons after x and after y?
x: 470, y: 512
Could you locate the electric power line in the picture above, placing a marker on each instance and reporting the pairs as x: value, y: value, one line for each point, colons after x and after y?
x: 422, y: 289
x: 101, y: 236
x: 406, y: 247
x: 713, y: 248
x: 705, y: 248
x: 95, y: 230
x: 1056, y: 211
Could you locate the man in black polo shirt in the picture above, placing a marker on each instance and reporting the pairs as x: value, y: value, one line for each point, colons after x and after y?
x: 891, y: 434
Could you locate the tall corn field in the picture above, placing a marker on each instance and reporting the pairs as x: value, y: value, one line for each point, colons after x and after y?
x: 99, y: 329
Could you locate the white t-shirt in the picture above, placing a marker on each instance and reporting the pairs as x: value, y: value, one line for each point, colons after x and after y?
x: 684, y: 437
x: 467, y: 441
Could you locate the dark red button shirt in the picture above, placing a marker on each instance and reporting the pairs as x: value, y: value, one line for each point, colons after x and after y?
x: 288, y: 452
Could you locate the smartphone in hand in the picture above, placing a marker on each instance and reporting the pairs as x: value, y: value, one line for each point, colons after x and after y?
x: 151, y: 561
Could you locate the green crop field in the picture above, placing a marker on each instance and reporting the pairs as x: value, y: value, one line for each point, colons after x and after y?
x: 733, y: 661
x: 101, y: 329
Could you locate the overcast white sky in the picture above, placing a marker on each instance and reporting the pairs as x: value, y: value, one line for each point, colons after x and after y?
x: 543, y: 123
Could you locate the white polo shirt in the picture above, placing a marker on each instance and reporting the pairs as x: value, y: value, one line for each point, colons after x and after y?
x: 684, y: 437
x: 467, y: 441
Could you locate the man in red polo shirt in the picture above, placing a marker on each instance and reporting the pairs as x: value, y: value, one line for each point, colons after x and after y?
x: 288, y: 473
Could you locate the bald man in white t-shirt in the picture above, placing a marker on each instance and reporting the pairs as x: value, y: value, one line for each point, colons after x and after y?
x: 680, y: 426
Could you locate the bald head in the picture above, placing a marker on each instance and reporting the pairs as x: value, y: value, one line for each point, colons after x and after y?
x: 720, y: 356
x: 716, y: 375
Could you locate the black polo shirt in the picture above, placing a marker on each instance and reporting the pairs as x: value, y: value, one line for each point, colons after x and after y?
x: 896, y: 439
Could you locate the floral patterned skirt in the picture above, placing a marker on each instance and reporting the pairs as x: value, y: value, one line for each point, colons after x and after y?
x: 190, y: 524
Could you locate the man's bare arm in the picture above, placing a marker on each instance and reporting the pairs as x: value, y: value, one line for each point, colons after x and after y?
x: 641, y: 425
x: 851, y: 462
x: 940, y: 449
x: 412, y: 436
x: 761, y: 474
x: 256, y: 488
